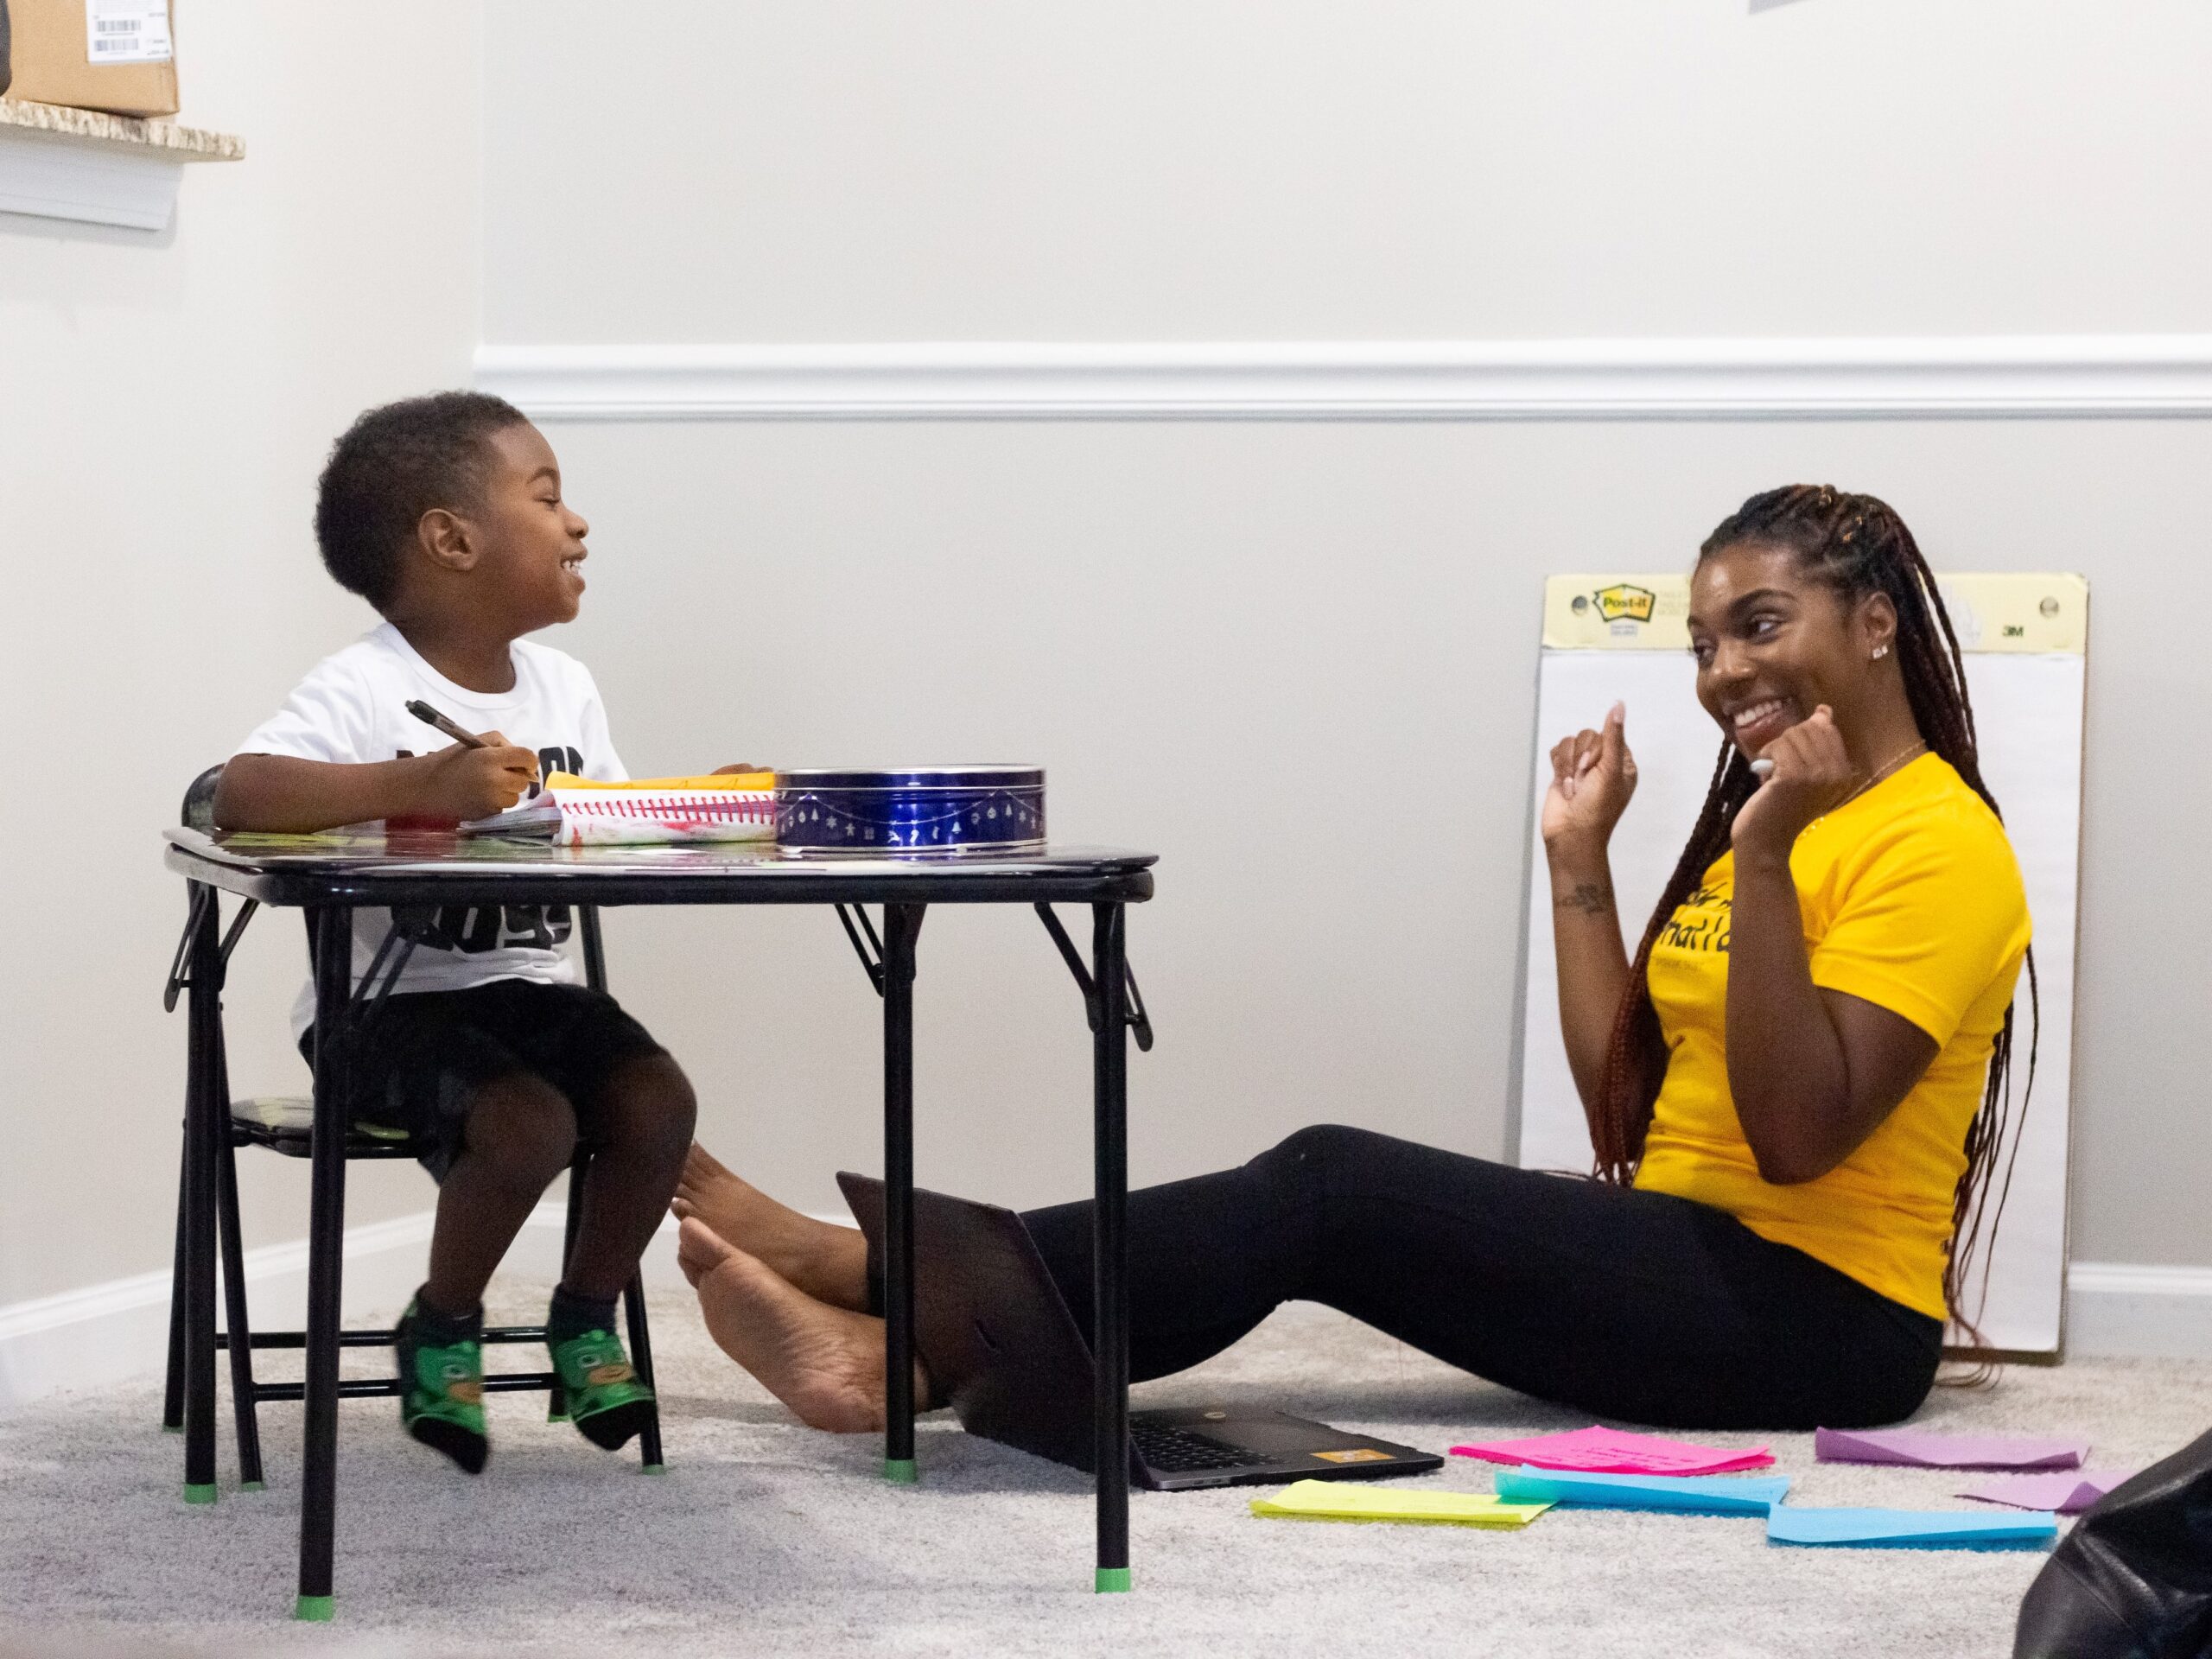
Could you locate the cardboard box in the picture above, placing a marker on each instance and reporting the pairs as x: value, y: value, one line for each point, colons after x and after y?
x: 117, y: 55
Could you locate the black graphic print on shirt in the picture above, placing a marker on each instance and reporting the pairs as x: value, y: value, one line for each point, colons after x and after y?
x: 473, y: 929
x: 1699, y: 923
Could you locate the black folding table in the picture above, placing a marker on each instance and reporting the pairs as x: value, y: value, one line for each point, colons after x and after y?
x: 331, y: 875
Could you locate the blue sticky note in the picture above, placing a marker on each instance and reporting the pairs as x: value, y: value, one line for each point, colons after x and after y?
x: 1688, y: 1494
x: 1909, y: 1529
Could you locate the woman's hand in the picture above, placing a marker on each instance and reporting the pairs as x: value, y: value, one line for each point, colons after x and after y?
x: 1594, y: 775
x: 1812, y: 775
x: 1812, y: 1072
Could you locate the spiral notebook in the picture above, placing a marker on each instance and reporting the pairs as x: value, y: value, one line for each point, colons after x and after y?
x: 576, y: 811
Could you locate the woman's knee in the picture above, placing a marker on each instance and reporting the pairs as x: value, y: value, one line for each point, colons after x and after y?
x: 1323, y: 1146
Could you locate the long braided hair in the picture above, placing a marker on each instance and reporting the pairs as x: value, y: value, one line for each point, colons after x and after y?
x: 1858, y: 545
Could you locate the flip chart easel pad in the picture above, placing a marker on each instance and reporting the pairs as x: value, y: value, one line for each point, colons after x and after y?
x: 2028, y: 708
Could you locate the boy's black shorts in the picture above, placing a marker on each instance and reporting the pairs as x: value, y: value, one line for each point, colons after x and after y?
x: 419, y: 1064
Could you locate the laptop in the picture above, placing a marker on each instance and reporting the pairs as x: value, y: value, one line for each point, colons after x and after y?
x: 1001, y: 1345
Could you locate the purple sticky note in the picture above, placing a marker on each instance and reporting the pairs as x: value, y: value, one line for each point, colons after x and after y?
x: 1919, y: 1449
x: 2067, y: 1493
x: 1618, y: 1451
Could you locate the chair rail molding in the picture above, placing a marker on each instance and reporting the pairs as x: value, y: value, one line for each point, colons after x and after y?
x: 1988, y: 375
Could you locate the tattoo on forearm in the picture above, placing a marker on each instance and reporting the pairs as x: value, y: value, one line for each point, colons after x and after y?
x: 1591, y: 898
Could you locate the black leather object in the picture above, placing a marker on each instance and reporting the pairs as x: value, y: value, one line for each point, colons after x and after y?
x: 2133, y: 1579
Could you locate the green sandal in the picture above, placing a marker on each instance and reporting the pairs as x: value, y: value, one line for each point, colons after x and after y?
x: 441, y: 1393
x: 605, y: 1398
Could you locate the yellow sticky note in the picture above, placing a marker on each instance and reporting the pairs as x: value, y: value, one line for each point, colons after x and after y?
x: 1336, y: 1500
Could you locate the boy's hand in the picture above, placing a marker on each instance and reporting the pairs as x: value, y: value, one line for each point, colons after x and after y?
x: 460, y: 783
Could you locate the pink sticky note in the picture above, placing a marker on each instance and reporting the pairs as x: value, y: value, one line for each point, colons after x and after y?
x: 2067, y: 1493
x: 1616, y: 1451
x: 1918, y: 1449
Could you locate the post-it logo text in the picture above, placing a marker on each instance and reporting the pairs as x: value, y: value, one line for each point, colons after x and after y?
x: 1624, y: 602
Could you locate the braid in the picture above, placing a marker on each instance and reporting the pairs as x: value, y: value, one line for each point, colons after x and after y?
x: 1636, y: 1060
x: 1859, y: 545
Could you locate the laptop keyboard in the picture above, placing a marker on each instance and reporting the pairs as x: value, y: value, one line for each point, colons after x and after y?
x: 1172, y: 1451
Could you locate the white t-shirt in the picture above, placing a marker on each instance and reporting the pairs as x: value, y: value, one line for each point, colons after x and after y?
x: 352, y: 708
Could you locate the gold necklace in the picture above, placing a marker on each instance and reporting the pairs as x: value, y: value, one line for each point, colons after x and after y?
x: 1880, y: 772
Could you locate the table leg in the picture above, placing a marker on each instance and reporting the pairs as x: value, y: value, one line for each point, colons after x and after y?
x: 1109, y: 1244
x: 203, y: 1117
x: 333, y: 961
x: 641, y: 1356
x: 172, y: 1389
x: 245, y: 1407
x: 900, y: 924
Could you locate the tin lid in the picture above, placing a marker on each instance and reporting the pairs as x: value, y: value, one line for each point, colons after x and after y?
x: 911, y: 777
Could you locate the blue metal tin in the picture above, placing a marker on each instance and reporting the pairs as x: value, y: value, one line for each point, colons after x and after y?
x: 911, y: 808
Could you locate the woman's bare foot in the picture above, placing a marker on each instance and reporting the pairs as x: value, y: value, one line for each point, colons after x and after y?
x: 825, y: 1363
x: 829, y: 1263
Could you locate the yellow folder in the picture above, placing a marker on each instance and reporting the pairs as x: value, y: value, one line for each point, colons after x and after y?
x: 715, y: 780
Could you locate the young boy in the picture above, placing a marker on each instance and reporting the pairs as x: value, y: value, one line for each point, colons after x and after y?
x: 445, y: 513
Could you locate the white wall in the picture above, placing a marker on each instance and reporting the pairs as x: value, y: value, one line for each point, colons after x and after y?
x: 1298, y: 658
x: 165, y: 403
x: 1284, y: 170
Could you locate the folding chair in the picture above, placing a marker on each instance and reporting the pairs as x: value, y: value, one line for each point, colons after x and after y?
x: 286, y: 1126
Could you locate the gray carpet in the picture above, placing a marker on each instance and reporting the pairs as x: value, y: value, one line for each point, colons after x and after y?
x: 767, y: 1538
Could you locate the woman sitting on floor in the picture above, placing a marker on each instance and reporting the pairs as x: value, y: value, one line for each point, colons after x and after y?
x: 1794, y: 1089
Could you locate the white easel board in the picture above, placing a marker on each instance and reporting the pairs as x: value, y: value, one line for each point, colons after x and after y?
x: 1625, y: 637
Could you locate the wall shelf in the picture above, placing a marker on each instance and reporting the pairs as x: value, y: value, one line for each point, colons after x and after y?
x: 98, y: 169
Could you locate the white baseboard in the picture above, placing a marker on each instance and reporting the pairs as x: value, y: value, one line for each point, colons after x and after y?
x: 117, y: 1332
x: 2122, y: 1308
x: 1948, y: 376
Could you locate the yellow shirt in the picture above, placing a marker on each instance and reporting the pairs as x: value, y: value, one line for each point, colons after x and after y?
x: 1912, y: 900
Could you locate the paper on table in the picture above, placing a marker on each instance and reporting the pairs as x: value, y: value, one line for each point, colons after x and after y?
x: 580, y: 812
x: 2068, y: 1492
x: 1616, y: 1451
x: 1919, y: 1449
x: 1691, y: 1494
x: 1908, y: 1528
x: 1337, y: 1500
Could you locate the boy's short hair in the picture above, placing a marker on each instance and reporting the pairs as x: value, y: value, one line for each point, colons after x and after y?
x: 393, y: 465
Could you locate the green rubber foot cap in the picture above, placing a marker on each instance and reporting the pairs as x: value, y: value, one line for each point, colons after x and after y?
x: 315, y: 1610
x: 1112, y: 1579
x: 901, y: 1471
x: 172, y: 1428
x: 652, y: 1469
x: 253, y: 1486
x: 197, y: 1494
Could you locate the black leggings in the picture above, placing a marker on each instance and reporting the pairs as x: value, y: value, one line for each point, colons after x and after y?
x: 1629, y: 1305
